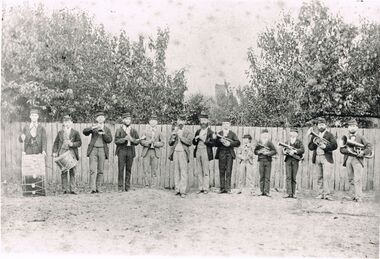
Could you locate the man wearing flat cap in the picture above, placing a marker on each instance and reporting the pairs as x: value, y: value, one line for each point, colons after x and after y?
x: 323, y: 144
x: 203, y: 142
x: 34, y: 136
x: 152, y: 142
x: 226, y: 141
x: 68, y: 139
x: 353, y: 160
x: 126, y: 138
x: 98, y: 150
x: 291, y: 162
x: 265, y: 150
x: 180, y: 141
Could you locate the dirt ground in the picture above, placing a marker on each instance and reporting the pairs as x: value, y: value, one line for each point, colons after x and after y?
x: 155, y: 222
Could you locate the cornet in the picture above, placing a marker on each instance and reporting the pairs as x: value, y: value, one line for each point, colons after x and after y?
x: 288, y: 148
x: 354, y: 147
x: 225, y: 141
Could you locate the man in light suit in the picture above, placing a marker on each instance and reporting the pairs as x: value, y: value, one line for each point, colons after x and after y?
x: 180, y: 141
x: 67, y: 139
x: 151, y: 143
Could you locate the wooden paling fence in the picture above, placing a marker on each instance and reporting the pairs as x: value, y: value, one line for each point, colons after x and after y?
x: 11, y: 151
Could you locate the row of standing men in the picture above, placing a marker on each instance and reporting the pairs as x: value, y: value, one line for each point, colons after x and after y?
x: 126, y: 138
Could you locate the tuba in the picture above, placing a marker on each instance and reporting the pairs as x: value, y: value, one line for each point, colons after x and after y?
x: 318, y: 140
x: 354, y: 147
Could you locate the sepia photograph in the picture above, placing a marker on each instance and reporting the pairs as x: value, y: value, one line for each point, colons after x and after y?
x: 190, y: 128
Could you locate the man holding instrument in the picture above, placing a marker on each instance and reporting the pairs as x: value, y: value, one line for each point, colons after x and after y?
x: 97, y: 150
x: 68, y: 139
x: 323, y: 145
x: 265, y: 150
x: 34, y: 136
x: 126, y: 138
x: 293, y: 155
x: 353, y: 161
x: 225, y: 141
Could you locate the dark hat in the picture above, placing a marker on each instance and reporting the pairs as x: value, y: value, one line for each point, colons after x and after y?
x: 127, y: 114
x: 321, y: 120
x: 34, y: 111
x: 293, y: 129
x: 265, y: 131
x: 352, y: 122
x: 226, y: 119
x: 203, y: 116
x: 248, y: 136
x: 153, y: 116
x: 99, y: 113
x: 182, y: 117
x: 66, y: 118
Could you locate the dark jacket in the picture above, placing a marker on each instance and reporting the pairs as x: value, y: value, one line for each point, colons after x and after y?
x: 329, y: 147
x: 186, y: 143
x: 74, y: 138
x: 107, y: 138
x: 268, y: 157
x: 300, y: 150
x: 35, y: 145
x: 235, y: 143
x: 121, y: 143
x: 367, y: 149
x: 209, y: 143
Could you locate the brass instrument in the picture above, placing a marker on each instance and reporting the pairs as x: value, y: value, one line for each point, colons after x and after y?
x: 354, y: 147
x: 246, y: 154
x: 318, y: 140
x: 97, y: 128
x: 287, y: 151
x: 225, y: 141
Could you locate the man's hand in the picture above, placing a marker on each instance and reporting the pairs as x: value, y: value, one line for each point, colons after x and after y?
x: 23, y: 137
x: 323, y: 146
x: 55, y: 155
x: 360, y: 154
x: 197, y: 137
x: 213, y: 135
x: 69, y: 143
x: 44, y: 153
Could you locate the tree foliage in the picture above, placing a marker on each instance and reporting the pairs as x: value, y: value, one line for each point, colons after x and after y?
x: 312, y: 65
x: 65, y: 63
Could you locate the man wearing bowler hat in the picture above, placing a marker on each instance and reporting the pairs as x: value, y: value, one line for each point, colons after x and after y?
x: 323, y: 158
x: 354, y: 163
x: 226, y: 141
x: 68, y: 139
x: 98, y: 150
x: 203, y: 142
x: 34, y: 136
x: 126, y: 138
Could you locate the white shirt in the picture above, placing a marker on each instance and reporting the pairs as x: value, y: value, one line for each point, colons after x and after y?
x: 33, y: 129
x: 127, y: 130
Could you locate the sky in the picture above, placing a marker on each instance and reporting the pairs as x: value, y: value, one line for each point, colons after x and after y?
x: 208, y: 38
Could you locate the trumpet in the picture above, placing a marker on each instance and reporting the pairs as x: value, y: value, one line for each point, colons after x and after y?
x: 287, y: 151
x: 354, y: 147
x: 225, y: 141
x: 318, y: 140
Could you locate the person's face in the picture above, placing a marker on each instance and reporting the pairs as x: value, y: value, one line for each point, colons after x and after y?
x: 153, y: 122
x: 100, y: 119
x: 67, y: 124
x: 127, y: 121
x: 34, y: 117
x: 352, y: 128
x: 293, y: 134
x: 203, y: 122
x: 265, y: 136
x: 226, y: 125
x: 180, y: 122
x: 321, y: 127
x: 246, y: 141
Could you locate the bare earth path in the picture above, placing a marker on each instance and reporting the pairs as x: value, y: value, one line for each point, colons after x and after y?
x: 155, y: 222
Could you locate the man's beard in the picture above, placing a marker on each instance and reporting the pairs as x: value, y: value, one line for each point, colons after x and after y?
x: 352, y: 131
x: 180, y: 126
x: 204, y: 125
x: 321, y: 129
x: 127, y: 124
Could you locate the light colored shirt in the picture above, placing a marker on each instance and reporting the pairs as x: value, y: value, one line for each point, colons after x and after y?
x: 127, y: 130
x: 320, y: 151
x: 33, y: 129
x: 179, y: 146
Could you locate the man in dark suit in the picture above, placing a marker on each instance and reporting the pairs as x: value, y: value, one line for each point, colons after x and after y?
x: 203, y: 142
x: 68, y: 139
x: 291, y: 163
x: 265, y: 150
x: 354, y: 163
x: 180, y: 141
x: 98, y: 150
x: 323, y: 158
x: 225, y: 142
x: 34, y: 136
x: 126, y: 138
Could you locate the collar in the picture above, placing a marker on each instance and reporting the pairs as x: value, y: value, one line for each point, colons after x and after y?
x: 33, y: 124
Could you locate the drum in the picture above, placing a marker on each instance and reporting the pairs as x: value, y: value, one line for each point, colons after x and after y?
x: 33, y: 171
x: 66, y: 161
